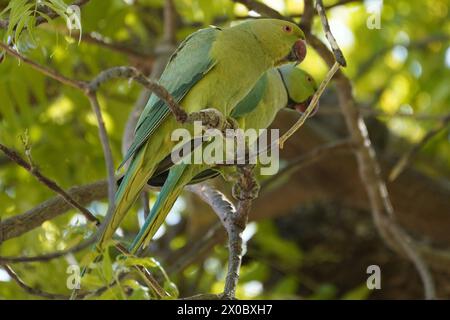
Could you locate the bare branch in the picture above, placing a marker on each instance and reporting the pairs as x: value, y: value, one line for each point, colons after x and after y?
x: 261, y: 8
x: 407, y: 158
x: 30, y: 290
x: 215, y: 199
x: 14, y: 156
x: 326, y: 27
x: 47, y: 71
x: 106, y: 150
x: 50, y: 256
x: 307, y: 16
x: 133, y: 73
x: 50, y: 209
x: 234, y: 221
x: 245, y: 190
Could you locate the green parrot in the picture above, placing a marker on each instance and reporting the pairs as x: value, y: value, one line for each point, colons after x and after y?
x: 285, y: 86
x: 213, y: 68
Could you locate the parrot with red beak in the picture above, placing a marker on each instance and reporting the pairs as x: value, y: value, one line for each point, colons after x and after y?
x: 212, y: 69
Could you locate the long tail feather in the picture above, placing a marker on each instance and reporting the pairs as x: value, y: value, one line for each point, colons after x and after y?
x: 129, y: 189
x: 177, y: 179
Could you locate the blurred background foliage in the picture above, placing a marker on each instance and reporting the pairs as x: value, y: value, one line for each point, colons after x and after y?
x: 400, y: 73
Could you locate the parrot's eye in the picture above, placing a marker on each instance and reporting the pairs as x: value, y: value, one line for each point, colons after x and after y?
x: 287, y: 29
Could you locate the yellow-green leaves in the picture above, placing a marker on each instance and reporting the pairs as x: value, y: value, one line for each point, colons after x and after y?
x: 23, y: 16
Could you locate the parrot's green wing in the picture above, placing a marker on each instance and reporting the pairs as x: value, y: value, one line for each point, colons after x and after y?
x: 245, y: 106
x: 252, y: 99
x: 188, y: 64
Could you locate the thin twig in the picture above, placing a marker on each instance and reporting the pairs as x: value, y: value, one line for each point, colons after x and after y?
x: 30, y: 290
x: 133, y: 73
x: 112, y: 186
x: 50, y: 256
x: 19, y: 224
x: 326, y: 28
x: 408, y: 157
x: 14, y: 156
x: 233, y: 219
x: 261, y: 8
x: 47, y: 71
x: 307, y: 15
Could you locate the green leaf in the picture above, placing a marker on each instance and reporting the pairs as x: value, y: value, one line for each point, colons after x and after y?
x: 144, y: 262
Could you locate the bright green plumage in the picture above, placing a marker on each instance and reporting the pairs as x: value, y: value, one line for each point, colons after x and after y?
x: 257, y: 110
x: 212, y: 68
x: 183, y: 71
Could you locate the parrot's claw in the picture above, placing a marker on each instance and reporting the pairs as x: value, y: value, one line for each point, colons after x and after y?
x: 210, y: 118
x: 213, y: 119
x: 231, y: 123
x: 246, y: 187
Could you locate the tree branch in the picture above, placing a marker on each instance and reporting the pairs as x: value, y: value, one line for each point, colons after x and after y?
x: 369, y: 168
x: 81, y: 85
x: 30, y: 290
x: 407, y: 158
x: 52, y: 185
x: 19, y: 224
x: 112, y: 186
x: 261, y: 8
x: 339, y: 56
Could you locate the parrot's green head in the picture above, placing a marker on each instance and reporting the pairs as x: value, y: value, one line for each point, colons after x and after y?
x: 300, y: 87
x: 283, y: 41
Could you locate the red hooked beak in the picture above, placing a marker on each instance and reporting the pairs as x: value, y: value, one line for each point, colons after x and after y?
x: 298, y: 51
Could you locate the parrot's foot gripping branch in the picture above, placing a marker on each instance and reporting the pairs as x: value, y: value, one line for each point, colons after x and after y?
x: 245, y: 190
x: 212, y: 119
